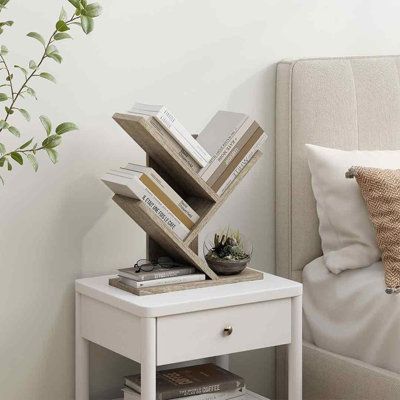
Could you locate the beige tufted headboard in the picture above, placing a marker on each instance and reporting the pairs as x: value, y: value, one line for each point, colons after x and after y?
x: 344, y: 103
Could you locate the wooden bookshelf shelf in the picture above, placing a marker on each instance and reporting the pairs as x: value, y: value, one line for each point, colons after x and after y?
x: 160, y: 150
x: 163, y: 156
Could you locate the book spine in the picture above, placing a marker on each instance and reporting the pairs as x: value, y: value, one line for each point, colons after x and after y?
x: 182, y: 140
x: 172, y: 122
x: 228, y: 156
x: 184, y: 155
x: 158, y: 208
x: 193, y: 391
x: 171, y: 205
x: 171, y: 281
x: 241, y: 166
x: 159, y: 274
x: 237, y: 159
x: 191, y: 214
x: 227, y: 146
x: 168, y: 191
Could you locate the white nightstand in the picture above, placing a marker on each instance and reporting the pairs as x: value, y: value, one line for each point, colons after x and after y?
x: 181, y: 326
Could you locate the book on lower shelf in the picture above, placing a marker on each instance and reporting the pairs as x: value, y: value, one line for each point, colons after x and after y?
x: 198, y: 382
x: 144, y: 184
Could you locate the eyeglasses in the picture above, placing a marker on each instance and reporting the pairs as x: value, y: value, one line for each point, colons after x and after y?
x: 162, y: 262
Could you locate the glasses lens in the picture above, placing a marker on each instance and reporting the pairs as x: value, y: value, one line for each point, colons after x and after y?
x: 144, y: 265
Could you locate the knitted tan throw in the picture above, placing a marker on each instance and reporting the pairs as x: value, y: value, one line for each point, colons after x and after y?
x: 380, y: 189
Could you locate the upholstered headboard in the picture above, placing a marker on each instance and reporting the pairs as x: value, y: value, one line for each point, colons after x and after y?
x: 344, y: 103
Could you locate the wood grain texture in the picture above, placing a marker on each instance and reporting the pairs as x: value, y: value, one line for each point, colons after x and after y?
x: 159, y: 232
x: 202, y: 222
x: 248, y: 274
x: 160, y: 149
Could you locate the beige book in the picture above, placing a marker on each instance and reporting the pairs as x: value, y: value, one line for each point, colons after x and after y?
x: 233, y: 152
x: 237, y: 159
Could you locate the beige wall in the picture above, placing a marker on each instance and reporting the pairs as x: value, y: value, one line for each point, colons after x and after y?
x: 197, y: 56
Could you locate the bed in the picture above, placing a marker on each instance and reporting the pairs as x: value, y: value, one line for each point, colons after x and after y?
x: 343, y: 103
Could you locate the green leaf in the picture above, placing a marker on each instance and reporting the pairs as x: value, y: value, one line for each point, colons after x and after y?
x: 9, y: 110
x: 87, y: 24
x: 38, y: 37
x: 25, y: 113
x: 33, y: 161
x: 56, y: 57
x: 51, y: 49
x: 17, y: 157
x: 52, y: 141
x: 23, y: 70
x: 53, y: 155
x: 32, y: 64
x: 2, y: 162
x: 93, y: 10
x: 6, y: 23
x: 9, y: 166
x: 3, y: 50
x: 75, y: 3
x: 46, y: 75
x: 62, y: 36
x: 3, y: 97
x: 66, y: 127
x: 62, y: 26
x: 3, y: 125
x: 31, y: 92
x: 63, y: 15
x: 10, y: 77
x: 14, y: 131
x: 25, y: 145
x: 46, y: 124
x: 2, y: 148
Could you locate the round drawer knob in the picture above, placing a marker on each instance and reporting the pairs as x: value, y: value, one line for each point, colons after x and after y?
x: 228, y: 331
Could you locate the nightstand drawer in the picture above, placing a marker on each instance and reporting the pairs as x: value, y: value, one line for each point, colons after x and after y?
x: 227, y: 330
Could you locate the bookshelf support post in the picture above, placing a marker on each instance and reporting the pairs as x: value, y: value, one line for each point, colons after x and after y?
x: 148, y: 364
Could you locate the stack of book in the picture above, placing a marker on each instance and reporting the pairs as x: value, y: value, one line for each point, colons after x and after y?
x: 168, y: 126
x: 232, y: 139
x: 159, y: 276
x: 145, y: 184
x: 199, y: 382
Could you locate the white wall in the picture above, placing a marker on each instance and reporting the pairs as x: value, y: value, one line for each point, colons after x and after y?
x: 197, y: 56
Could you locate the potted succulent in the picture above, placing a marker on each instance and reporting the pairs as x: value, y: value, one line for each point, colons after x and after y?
x: 227, y: 252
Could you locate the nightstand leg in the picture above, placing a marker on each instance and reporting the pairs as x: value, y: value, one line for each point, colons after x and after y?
x: 148, y: 364
x: 81, y: 357
x: 222, y: 361
x: 295, y: 351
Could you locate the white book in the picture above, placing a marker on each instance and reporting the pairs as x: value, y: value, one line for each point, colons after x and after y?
x: 164, y: 281
x: 223, y: 124
x: 170, y: 193
x: 130, y: 394
x: 176, y: 129
x: 218, y: 133
x: 242, y: 164
x: 132, y: 187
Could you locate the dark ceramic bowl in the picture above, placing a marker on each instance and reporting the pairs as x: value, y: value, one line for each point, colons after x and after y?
x: 227, y: 267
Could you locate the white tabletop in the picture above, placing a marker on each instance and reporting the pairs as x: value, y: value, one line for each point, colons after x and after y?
x: 270, y: 288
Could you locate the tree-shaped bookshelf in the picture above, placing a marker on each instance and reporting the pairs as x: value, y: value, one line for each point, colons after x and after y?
x: 163, y: 157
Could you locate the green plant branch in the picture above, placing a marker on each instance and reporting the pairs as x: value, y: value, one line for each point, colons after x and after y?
x: 33, y: 73
x: 3, y: 60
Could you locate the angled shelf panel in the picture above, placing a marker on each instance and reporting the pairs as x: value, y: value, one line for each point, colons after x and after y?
x: 159, y: 148
x: 214, y: 208
x: 157, y: 230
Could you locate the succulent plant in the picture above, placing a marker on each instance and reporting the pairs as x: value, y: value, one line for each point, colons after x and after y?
x: 228, y: 246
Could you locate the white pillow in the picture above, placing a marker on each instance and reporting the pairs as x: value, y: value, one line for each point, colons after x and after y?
x: 347, y: 234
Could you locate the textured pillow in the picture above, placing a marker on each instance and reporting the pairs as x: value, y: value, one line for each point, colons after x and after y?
x: 380, y: 189
x: 347, y: 235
